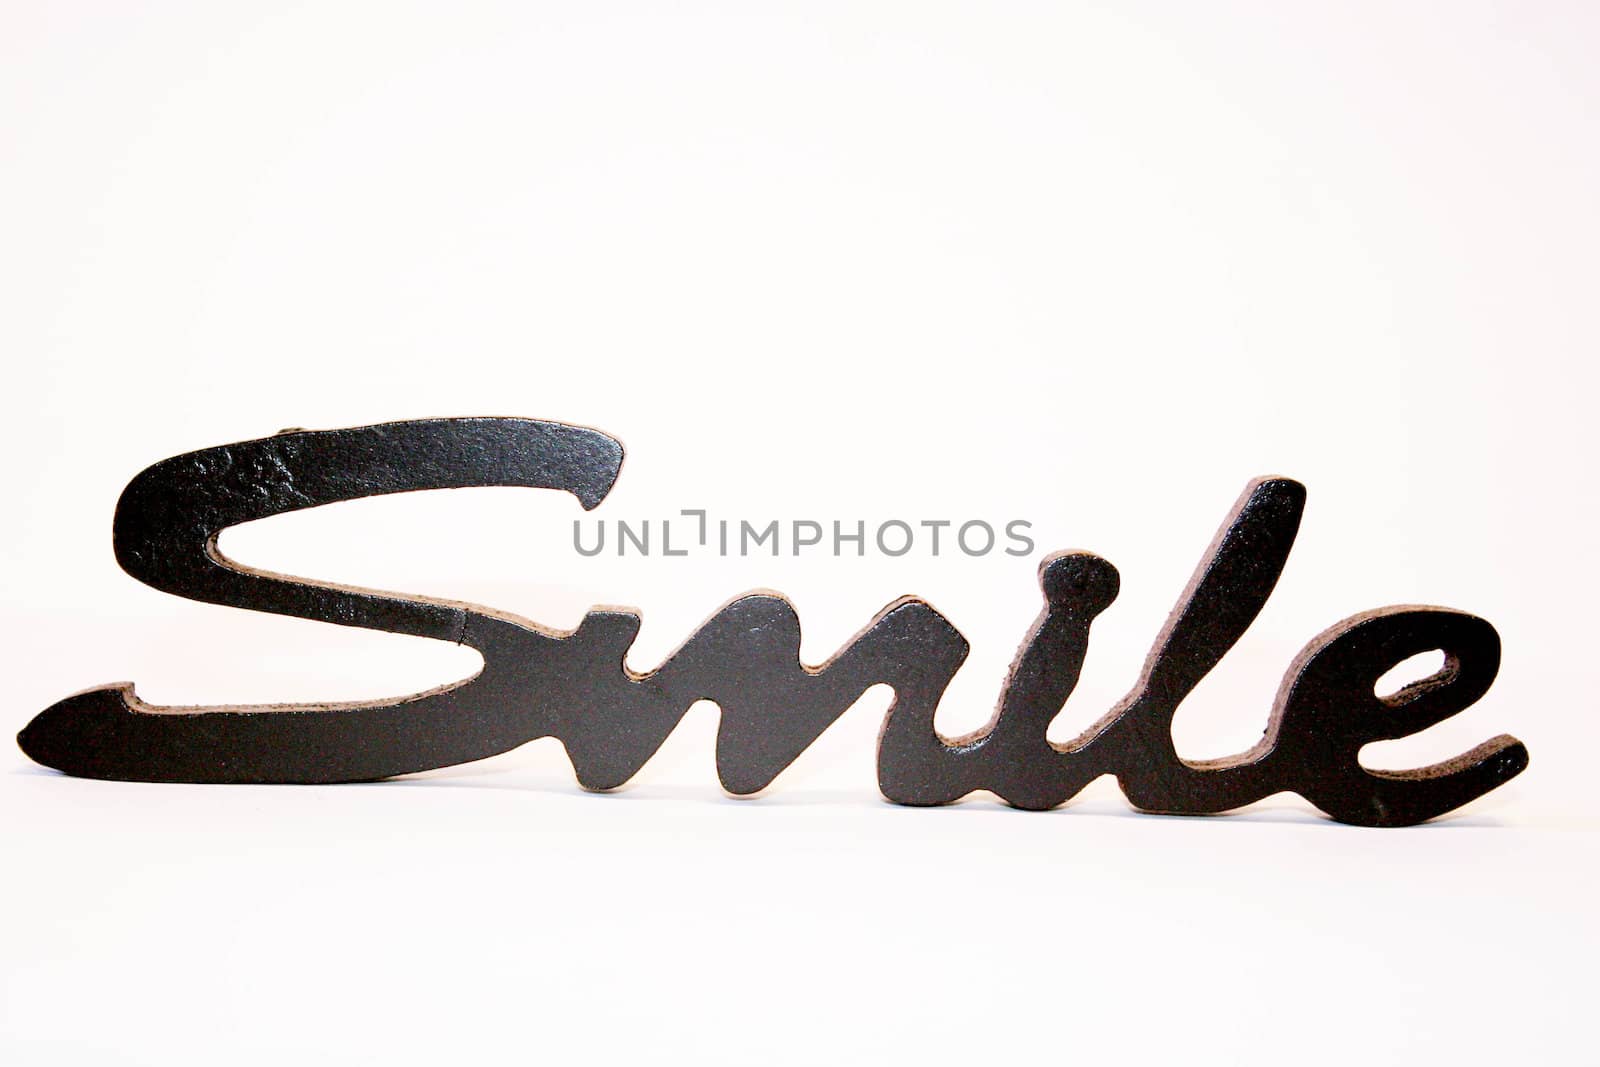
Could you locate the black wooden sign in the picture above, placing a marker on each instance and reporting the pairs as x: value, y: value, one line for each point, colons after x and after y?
x: 537, y: 682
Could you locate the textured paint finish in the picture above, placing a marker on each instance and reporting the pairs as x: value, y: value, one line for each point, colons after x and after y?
x: 575, y: 686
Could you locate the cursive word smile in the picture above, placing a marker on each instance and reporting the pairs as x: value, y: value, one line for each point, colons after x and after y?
x: 536, y: 682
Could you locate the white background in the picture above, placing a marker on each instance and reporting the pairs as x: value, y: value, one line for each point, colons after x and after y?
x: 1093, y: 266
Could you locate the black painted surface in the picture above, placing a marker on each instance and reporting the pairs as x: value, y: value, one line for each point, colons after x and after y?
x: 1326, y: 709
x: 538, y: 683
